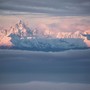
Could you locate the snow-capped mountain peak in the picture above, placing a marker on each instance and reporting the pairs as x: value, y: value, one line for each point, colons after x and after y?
x: 22, y: 36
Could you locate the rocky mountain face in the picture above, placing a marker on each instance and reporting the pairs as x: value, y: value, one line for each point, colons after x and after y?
x: 22, y: 37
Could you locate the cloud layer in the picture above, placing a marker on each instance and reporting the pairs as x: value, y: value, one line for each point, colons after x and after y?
x: 67, y: 66
x: 37, y: 85
x: 52, y: 7
x: 27, y: 70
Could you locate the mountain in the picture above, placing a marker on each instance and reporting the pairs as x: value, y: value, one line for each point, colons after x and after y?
x: 22, y: 37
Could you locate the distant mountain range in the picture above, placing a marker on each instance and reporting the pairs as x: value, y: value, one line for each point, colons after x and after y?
x: 21, y: 36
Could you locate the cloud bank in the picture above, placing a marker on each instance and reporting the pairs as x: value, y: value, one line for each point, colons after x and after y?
x: 63, y: 55
x: 27, y: 70
x: 37, y: 85
x: 55, y: 7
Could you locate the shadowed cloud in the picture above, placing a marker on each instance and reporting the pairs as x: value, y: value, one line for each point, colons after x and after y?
x: 53, y: 7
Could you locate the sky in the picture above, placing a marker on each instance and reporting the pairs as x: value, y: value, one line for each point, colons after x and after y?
x: 52, y: 7
x: 56, y: 15
x: 55, y: 12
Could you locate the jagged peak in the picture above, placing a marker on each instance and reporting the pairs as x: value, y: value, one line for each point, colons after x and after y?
x: 21, y: 22
x: 20, y: 25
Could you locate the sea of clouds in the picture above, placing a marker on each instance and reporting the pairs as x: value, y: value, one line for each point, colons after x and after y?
x: 32, y: 70
x: 37, y: 85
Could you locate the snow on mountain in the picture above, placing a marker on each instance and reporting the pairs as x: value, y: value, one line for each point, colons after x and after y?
x: 21, y: 36
x: 87, y: 38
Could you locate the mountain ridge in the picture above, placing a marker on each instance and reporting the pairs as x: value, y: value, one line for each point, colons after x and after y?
x: 21, y: 36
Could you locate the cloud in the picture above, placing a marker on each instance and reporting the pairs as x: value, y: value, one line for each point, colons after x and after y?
x: 55, y: 7
x: 64, y: 55
x: 87, y: 36
x: 27, y: 70
x: 37, y: 85
x: 49, y: 62
x: 71, y: 24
